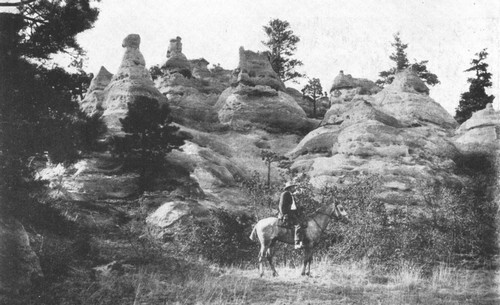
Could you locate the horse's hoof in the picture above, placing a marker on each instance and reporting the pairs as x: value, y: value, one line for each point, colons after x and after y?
x: 275, y: 274
x: 303, y: 273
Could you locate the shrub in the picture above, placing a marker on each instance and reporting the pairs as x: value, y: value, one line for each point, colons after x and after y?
x: 222, y: 238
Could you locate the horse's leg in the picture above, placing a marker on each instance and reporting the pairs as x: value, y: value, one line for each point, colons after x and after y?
x: 307, y: 261
x: 270, y: 253
x: 262, y: 254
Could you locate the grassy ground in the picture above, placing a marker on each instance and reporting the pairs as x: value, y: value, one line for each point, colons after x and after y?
x: 152, y: 273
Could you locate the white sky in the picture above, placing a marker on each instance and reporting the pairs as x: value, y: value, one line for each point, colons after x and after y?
x: 353, y: 36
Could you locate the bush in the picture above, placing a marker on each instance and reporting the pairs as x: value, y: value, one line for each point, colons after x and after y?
x: 450, y: 225
x: 222, y: 238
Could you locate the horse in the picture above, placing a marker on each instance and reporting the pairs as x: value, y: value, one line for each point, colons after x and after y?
x: 267, y: 231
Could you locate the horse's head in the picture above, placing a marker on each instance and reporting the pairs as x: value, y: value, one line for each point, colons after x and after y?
x: 340, y: 213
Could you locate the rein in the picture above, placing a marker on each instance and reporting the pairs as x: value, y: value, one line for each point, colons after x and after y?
x: 329, y: 216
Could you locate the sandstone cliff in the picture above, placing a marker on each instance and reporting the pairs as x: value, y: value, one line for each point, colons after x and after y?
x: 91, y: 105
x: 130, y: 81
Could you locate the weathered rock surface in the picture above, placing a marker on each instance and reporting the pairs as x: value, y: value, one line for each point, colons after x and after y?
x: 402, y: 137
x: 19, y: 265
x: 254, y: 69
x: 176, y: 60
x: 92, y: 102
x: 345, y: 88
x: 130, y: 82
x: 480, y: 133
x: 244, y: 105
x: 407, y: 101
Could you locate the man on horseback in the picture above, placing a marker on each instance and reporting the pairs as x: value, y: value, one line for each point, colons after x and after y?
x: 289, y: 212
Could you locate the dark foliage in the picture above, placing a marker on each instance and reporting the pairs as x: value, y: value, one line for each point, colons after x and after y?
x: 150, y: 135
x: 282, y: 44
x: 222, y: 238
x: 476, y: 98
x: 314, y: 91
x: 401, y: 59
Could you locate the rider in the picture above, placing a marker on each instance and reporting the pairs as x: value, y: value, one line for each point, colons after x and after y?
x: 288, y: 210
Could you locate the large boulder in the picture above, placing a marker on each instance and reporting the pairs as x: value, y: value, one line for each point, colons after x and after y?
x: 345, y: 88
x: 131, y: 81
x: 19, y: 265
x: 92, y: 102
x: 480, y: 133
x: 407, y: 100
x: 245, y: 106
x: 254, y: 69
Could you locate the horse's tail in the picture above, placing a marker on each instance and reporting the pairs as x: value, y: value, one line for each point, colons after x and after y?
x: 253, y: 235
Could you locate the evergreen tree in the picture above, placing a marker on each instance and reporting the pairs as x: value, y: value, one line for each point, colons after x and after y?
x: 38, y: 109
x: 476, y: 98
x: 314, y: 91
x: 150, y: 135
x: 282, y: 44
x: 401, y: 59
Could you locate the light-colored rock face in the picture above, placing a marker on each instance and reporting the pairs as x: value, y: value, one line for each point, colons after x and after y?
x: 131, y: 81
x: 407, y: 81
x: 18, y: 262
x: 260, y: 106
x: 345, y: 88
x: 92, y: 103
x: 176, y: 60
x: 480, y: 133
x: 254, y: 69
x: 369, y: 138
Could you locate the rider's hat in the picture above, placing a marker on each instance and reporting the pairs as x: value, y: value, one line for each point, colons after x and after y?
x: 289, y: 184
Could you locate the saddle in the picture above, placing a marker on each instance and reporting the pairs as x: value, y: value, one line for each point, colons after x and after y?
x: 284, y: 221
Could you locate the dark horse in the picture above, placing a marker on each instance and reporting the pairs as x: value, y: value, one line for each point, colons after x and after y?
x: 268, y: 232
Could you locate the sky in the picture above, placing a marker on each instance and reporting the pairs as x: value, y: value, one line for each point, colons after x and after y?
x: 354, y: 36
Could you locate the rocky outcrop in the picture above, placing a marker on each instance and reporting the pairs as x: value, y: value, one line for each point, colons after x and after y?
x: 480, y: 133
x: 407, y: 100
x: 199, y: 68
x: 176, y: 60
x: 130, y: 82
x: 19, y: 265
x: 399, y: 135
x: 92, y: 102
x: 246, y: 106
x: 254, y: 69
x: 345, y: 87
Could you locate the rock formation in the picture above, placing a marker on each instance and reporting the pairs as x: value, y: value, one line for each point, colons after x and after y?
x: 254, y: 69
x: 200, y: 68
x: 131, y: 81
x: 257, y: 98
x: 177, y: 61
x: 19, y: 264
x: 345, y: 87
x: 480, y: 133
x: 400, y: 135
x: 92, y: 103
x: 407, y: 100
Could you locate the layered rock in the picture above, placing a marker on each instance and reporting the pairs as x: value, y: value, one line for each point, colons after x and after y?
x: 132, y: 81
x: 254, y: 69
x: 480, y: 133
x: 191, y: 88
x: 257, y: 98
x: 371, y: 135
x: 246, y: 106
x: 176, y: 60
x: 19, y: 265
x: 407, y: 100
x: 345, y: 87
x: 92, y: 103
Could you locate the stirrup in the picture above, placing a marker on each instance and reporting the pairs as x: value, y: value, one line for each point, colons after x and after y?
x: 298, y: 246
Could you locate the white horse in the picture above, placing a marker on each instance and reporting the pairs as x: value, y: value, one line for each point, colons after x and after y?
x: 268, y: 232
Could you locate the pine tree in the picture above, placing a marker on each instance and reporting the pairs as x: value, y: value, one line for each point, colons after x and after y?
x: 282, y: 44
x: 401, y: 59
x: 314, y: 91
x: 150, y: 134
x: 476, y: 98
